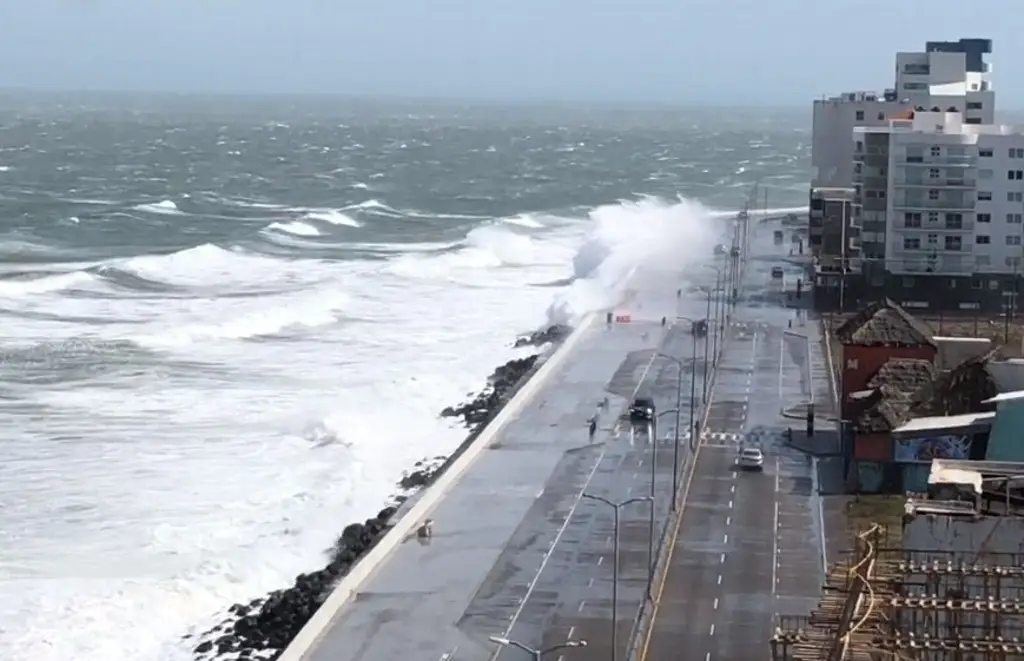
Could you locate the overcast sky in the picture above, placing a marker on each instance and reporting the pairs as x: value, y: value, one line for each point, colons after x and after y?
x: 774, y: 52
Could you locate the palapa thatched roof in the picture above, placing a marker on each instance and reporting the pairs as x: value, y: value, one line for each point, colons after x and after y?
x: 884, y: 324
x: 959, y: 390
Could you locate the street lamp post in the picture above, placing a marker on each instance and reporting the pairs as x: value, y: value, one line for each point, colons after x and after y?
x: 654, y: 472
x: 615, y: 560
x: 537, y: 654
x: 679, y: 403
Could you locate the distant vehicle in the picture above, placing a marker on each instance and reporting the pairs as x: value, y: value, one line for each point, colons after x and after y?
x: 642, y: 409
x: 699, y: 328
x: 777, y: 273
x: 778, y: 237
x: 750, y: 459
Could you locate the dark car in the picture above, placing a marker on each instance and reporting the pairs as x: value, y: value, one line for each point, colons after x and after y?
x: 642, y: 409
x: 699, y: 328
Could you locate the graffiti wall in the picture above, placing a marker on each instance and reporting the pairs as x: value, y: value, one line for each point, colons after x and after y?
x: 923, y: 450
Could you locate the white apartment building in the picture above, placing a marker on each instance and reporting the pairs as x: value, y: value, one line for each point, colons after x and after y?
x: 939, y: 202
x: 945, y: 76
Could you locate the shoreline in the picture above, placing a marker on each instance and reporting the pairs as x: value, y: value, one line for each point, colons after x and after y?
x: 264, y: 627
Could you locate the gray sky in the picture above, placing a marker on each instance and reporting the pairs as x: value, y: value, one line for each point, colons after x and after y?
x: 775, y: 52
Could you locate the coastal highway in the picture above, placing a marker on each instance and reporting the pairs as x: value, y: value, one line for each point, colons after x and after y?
x: 516, y: 550
x: 748, y: 545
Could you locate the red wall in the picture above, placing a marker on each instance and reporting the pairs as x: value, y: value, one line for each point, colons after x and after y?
x: 868, y: 361
x: 873, y: 447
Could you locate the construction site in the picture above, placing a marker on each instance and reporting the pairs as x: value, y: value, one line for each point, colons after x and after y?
x: 943, y: 581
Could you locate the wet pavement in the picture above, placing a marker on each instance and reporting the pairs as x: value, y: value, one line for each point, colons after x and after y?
x: 749, y: 544
x: 517, y: 551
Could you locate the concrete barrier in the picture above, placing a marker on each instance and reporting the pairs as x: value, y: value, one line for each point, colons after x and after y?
x: 428, y: 499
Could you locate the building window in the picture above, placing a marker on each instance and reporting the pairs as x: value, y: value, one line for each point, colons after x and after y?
x: 984, y: 218
x: 1018, y: 152
x: 952, y: 283
x: 911, y: 243
x: 983, y: 240
x: 974, y: 105
x: 860, y: 145
x: 1014, y: 218
x: 953, y: 243
x: 1015, y: 175
x: 936, y: 151
x: 1014, y: 196
x: 1013, y: 240
x: 933, y: 193
x: 912, y: 219
x: 933, y: 216
x: 933, y: 239
x: 881, y: 116
x: 993, y: 284
x: 972, y: 120
x: 1011, y: 152
x: 984, y: 195
x: 985, y: 152
x: 852, y: 363
x: 934, y: 173
x: 954, y: 221
x: 859, y: 116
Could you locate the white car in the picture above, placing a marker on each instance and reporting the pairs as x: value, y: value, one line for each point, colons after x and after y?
x: 750, y: 459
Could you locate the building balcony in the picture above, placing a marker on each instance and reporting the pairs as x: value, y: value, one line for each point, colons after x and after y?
x: 932, y: 253
x: 932, y: 228
x: 923, y: 267
x: 944, y: 182
x: 963, y: 161
x: 934, y: 205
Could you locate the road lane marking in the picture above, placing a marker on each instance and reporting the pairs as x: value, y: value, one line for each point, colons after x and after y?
x: 707, y: 656
x: 590, y: 583
x: 572, y: 630
x: 582, y: 603
x: 711, y: 632
x: 723, y: 559
x: 600, y: 560
x: 728, y: 520
x: 642, y: 656
x: 775, y: 549
x: 716, y: 603
x: 726, y: 539
x: 730, y: 504
x: 719, y: 579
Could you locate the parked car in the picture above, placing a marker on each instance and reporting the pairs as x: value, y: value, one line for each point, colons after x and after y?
x: 750, y: 459
x: 642, y: 409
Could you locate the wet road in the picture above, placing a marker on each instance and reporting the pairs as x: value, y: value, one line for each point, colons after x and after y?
x: 749, y: 543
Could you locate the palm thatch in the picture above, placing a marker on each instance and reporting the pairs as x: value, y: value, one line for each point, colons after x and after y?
x: 959, y: 390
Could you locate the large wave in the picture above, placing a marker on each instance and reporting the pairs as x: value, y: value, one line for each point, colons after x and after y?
x: 649, y: 232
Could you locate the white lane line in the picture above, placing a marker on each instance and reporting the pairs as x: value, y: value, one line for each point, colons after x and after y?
x: 775, y: 549
x: 707, y: 657
x: 725, y: 540
x: 730, y: 504
x: 572, y: 630
x: 590, y: 583
x: 719, y: 579
x: 579, y: 609
x: 716, y: 603
x: 600, y: 560
x: 732, y: 489
x: 728, y: 520
x: 711, y: 632
x: 722, y: 560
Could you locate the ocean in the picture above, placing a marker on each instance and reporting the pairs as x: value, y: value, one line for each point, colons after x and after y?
x: 228, y: 325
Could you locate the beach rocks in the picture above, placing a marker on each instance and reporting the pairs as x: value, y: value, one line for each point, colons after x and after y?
x: 553, y: 333
x: 262, y: 628
x: 477, y: 412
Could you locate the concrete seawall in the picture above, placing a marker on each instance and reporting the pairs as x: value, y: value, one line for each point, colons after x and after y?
x: 427, y: 500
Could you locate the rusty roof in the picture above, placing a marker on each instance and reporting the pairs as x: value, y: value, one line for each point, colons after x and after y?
x: 885, y: 324
x: 907, y: 375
